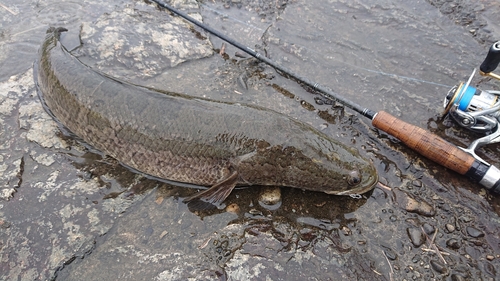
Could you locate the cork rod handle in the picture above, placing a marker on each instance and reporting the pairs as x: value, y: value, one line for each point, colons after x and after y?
x: 425, y: 143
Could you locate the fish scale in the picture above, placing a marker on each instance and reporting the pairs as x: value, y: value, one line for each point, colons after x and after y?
x: 182, y: 138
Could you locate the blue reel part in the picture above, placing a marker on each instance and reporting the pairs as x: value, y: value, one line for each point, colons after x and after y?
x: 466, y: 98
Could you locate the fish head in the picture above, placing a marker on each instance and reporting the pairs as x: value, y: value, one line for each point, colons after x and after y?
x: 348, y: 172
x: 324, y: 166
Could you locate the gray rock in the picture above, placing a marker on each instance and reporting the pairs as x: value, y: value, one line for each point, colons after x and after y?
x: 413, y: 205
x: 270, y: 196
x: 453, y: 243
x: 474, y: 232
x: 416, y: 236
x: 439, y: 267
x: 124, y: 43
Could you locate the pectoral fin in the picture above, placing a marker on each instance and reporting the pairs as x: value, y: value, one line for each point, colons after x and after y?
x: 218, y: 192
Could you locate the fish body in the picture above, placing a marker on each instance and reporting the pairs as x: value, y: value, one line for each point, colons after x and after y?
x: 188, y: 139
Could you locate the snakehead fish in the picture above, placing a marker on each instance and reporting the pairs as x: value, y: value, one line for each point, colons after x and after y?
x: 188, y: 139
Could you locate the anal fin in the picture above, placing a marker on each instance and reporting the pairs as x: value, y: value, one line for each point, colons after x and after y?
x: 218, y: 192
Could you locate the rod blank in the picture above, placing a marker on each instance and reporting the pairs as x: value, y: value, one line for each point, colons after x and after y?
x: 323, y: 90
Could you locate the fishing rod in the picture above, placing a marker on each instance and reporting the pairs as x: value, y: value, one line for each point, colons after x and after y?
x: 427, y: 144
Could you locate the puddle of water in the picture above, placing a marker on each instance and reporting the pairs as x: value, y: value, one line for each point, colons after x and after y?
x: 60, y: 14
x: 24, y: 25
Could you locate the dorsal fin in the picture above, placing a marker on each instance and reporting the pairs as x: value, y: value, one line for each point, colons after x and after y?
x: 218, y: 192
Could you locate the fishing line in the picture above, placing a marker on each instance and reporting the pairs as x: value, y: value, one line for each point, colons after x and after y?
x: 322, y: 55
x: 232, y: 18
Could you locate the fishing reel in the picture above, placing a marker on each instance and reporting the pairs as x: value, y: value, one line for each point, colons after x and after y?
x: 477, y: 110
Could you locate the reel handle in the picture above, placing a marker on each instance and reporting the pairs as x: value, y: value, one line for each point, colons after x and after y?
x: 438, y: 150
x: 492, y: 60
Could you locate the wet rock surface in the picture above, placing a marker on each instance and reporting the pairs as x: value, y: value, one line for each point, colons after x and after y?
x: 125, y: 41
x: 70, y: 213
x: 480, y: 19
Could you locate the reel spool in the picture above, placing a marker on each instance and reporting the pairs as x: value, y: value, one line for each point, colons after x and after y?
x: 475, y: 109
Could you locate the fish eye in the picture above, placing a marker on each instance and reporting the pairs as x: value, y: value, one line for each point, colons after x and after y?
x: 353, y: 178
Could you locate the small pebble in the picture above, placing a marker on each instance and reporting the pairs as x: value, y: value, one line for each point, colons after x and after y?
x: 270, y: 195
x: 416, y: 236
x: 412, y: 205
x: 429, y: 229
x: 233, y: 208
x: 346, y: 230
x: 490, y: 257
x: 438, y: 267
x: 474, y: 232
x: 450, y: 227
x: 453, y: 244
x: 389, y: 253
